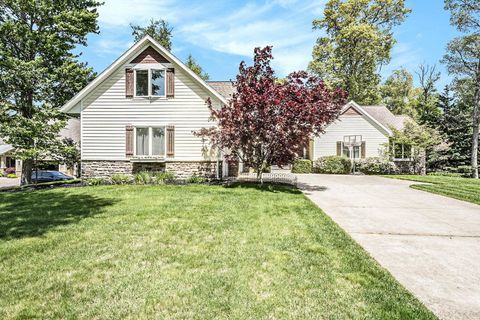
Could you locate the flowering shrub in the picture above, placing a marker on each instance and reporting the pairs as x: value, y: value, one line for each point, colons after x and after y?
x: 332, y: 165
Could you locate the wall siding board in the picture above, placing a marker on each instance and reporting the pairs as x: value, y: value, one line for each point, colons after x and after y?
x: 107, y: 112
x: 326, y: 144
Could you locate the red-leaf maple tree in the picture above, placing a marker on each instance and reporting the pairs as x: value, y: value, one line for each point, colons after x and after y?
x: 268, y: 121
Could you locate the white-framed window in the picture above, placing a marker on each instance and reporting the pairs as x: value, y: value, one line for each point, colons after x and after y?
x: 150, y: 82
x: 150, y: 141
x: 355, y: 153
x: 401, y: 151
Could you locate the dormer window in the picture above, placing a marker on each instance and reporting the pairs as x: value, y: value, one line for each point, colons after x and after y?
x: 150, y: 82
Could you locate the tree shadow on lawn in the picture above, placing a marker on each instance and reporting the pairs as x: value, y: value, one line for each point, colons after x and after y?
x: 30, y: 214
x: 266, y: 187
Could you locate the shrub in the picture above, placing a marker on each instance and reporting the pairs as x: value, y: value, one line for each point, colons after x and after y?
x: 1, y: 174
x: 465, y: 171
x: 10, y: 170
x: 95, y: 181
x: 196, y: 179
x: 302, y: 166
x: 120, y: 179
x: 333, y: 165
x: 142, y: 178
x: 375, y: 165
x: 163, y: 177
x: 11, y: 175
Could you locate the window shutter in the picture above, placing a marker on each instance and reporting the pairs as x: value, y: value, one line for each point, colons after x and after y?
x: 170, y: 141
x: 170, y: 83
x: 339, y: 148
x: 129, y: 141
x: 129, y: 83
x: 363, y: 151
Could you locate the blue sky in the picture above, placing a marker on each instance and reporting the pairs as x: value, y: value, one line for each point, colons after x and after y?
x: 220, y: 34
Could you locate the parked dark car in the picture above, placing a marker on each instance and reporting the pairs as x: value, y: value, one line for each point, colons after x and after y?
x: 49, y: 176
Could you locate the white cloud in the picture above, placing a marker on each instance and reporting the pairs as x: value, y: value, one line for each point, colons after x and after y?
x: 220, y: 26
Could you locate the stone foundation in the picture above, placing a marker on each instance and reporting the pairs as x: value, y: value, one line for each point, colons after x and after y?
x: 186, y: 169
x: 182, y: 170
x: 105, y: 168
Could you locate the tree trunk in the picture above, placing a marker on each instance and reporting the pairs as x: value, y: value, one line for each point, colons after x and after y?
x: 27, y: 168
x: 476, y: 124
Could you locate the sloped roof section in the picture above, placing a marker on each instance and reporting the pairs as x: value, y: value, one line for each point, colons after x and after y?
x: 130, y: 54
x: 225, y: 88
x: 386, y: 117
x: 4, y: 148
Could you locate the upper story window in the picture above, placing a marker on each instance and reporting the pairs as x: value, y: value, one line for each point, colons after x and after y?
x: 150, y: 82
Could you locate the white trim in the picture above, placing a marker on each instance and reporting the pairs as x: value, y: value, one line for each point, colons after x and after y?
x: 130, y: 54
x: 150, y: 142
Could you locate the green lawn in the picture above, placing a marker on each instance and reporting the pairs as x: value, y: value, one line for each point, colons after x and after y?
x: 458, y: 188
x: 186, y: 252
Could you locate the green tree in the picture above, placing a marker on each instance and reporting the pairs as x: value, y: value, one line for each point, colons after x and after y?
x: 399, y: 94
x: 159, y: 30
x: 463, y: 60
x: 455, y: 124
x: 39, y: 72
x: 195, y: 67
x: 358, y: 42
x: 427, y: 103
x: 422, y: 139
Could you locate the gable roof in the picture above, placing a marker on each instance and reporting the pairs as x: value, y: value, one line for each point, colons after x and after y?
x: 225, y: 88
x: 386, y: 117
x: 130, y: 54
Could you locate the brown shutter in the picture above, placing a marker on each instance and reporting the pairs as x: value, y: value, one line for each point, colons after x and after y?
x: 129, y: 83
x: 129, y: 141
x: 170, y: 83
x: 339, y: 148
x: 170, y: 141
x: 363, y: 150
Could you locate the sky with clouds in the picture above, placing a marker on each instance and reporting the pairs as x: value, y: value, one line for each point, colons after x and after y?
x: 220, y: 34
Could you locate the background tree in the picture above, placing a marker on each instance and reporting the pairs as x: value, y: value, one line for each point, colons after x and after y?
x: 159, y: 30
x: 455, y: 124
x: 195, y: 67
x: 68, y: 152
x: 399, y: 94
x: 463, y: 60
x: 267, y: 121
x: 39, y: 72
x: 357, y: 44
x: 427, y: 103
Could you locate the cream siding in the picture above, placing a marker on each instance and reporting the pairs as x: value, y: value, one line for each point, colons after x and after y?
x: 326, y: 144
x: 106, y: 112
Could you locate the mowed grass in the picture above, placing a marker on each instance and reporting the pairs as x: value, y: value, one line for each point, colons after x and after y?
x: 459, y: 188
x: 186, y: 252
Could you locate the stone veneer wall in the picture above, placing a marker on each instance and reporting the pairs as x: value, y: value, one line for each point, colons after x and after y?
x: 186, y: 169
x: 182, y: 170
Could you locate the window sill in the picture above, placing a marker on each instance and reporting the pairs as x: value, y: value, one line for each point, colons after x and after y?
x: 148, y: 159
x: 149, y: 98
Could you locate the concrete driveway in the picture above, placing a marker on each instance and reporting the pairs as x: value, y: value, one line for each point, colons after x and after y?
x: 429, y: 243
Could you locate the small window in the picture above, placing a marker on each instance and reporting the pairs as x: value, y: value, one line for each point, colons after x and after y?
x: 354, y: 154
x: 402, y: 151
x: 150, y: 141
x: 158, y: 82
x: 150, y: 82
x: 141, y: 83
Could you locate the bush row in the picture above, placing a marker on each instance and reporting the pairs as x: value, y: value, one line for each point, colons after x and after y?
x: 343, y: 165
x: 143, y: 178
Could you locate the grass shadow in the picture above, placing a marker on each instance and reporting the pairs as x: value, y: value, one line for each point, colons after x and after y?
x: 31, y: 214
x: 266, y: 187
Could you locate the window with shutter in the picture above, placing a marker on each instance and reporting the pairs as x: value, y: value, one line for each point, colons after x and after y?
x: 170, y: 83
x: 170, y: 141
x: 129, y: 83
